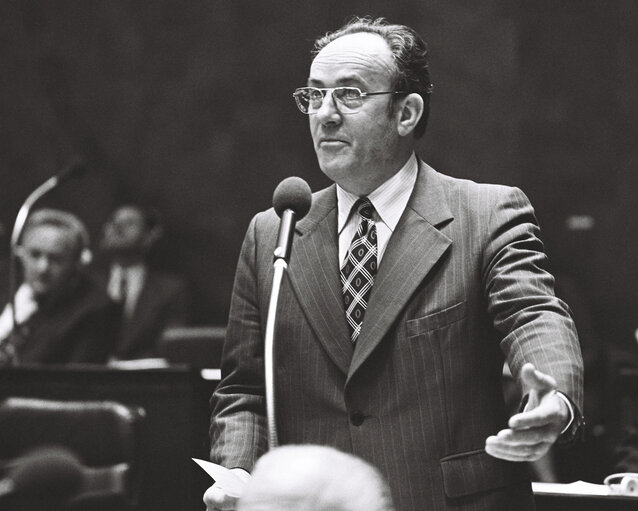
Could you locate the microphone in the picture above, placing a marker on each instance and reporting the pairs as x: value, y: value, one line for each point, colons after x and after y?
x: 74, y: 167
x: 50, y: 471
x: 291, y: 200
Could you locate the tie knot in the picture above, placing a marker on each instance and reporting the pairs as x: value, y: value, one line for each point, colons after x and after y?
x: 365, y: 208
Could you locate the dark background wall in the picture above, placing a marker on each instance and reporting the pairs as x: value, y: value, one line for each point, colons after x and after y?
x: 187, y: 105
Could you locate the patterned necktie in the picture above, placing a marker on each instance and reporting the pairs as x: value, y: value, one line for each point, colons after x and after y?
x: 359, y: 269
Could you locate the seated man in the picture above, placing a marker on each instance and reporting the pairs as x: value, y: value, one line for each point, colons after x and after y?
x: 314, y: 478
x: 62, y: 316
x: 151, y: 300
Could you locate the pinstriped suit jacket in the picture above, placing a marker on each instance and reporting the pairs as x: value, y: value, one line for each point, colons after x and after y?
x: 461, y: 287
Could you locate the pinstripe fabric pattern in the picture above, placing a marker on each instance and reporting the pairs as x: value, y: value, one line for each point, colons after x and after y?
x: 462, y: 288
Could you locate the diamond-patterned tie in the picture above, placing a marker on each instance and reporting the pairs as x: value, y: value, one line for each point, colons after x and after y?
x: 359, y: 268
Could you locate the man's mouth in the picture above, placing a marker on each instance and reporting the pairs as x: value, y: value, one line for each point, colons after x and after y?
x: 331, y: 142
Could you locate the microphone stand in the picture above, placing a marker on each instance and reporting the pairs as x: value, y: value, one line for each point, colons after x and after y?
x: 291, y: 201
x: 280, y: 266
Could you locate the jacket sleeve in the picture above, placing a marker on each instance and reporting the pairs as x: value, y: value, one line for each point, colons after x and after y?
x: 534, y: 324
x: 238, y: 423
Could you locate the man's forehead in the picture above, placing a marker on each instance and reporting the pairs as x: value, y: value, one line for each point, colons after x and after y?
x: 50, y: 237
x: 128, y: 213
x: 354, y: 52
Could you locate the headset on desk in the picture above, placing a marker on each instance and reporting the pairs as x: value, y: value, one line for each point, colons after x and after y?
x: 623, y: 483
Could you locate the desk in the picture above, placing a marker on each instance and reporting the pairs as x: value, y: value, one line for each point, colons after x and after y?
x: 580, y: 496
x: 176, y: 404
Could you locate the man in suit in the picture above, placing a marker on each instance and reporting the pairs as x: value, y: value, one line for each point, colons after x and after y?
x: 151, y: 300
x: 398, y: 311
x: 62, y: 315
x: 315, y: 478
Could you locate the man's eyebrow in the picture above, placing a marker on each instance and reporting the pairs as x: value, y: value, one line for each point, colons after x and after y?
x: 346, y: 80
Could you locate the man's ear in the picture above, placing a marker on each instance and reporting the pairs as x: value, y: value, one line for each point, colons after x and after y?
x: 410, y: 111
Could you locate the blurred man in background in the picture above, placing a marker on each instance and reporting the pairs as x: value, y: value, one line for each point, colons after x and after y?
x: 150, y: 300
x: 62, y: 316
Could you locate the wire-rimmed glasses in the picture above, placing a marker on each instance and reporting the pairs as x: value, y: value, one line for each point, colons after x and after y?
x: 347, y: 100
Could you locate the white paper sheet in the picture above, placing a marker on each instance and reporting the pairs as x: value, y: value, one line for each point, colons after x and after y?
x: 231, y: 483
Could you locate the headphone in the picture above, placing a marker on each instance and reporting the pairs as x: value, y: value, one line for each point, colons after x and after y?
x: 63, y: 220
x: 623, y: 483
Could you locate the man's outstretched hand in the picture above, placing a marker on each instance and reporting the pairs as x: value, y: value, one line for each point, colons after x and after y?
x: 532, y: 432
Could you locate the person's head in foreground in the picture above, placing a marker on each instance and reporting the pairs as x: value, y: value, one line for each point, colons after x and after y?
x: 315, y: 478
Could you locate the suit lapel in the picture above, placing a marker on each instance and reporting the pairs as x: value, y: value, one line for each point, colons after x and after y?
x: 413, y: 250
x: 314, y: 275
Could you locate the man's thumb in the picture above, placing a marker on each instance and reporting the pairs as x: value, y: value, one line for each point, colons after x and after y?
x: 531, y: 379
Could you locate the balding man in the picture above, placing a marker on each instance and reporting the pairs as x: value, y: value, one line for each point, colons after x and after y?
x: 315, y: 478
x: 407, y: 290
x: 62, y: 315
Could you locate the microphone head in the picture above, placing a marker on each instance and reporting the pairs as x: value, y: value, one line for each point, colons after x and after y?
x: 76, y: 166
x: 50, y: 470
x: 292, y: 193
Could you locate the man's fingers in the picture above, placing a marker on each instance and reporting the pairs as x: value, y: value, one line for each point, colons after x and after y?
x: 548, y: 412
x: 525, y: 437
x: 216, y: 499
x: 500, y: 446
x: 533, y: 379
x: 517, y: 455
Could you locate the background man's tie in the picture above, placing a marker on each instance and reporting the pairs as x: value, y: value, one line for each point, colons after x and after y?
x: 359, y: 268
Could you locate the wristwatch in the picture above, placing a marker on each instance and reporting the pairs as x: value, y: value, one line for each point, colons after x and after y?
x: 575, y: 431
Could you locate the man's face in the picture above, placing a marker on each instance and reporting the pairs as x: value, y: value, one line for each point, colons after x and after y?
x: 359, y: 151
x: 49, y: 256
x: 125, y: 231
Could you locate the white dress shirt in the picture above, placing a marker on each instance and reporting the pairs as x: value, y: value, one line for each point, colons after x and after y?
x: 125, y: 285
x: 389, y: 201
x: 26, y: 306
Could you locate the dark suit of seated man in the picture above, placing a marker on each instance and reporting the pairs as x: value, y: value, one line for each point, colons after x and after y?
x: 151, y: 300
x: 62, y: 315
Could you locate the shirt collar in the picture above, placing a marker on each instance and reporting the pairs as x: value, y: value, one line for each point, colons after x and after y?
x: 135, y: 269
x: 389, y: 199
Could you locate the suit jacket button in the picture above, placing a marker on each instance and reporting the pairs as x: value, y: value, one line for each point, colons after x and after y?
x: 356, y: 418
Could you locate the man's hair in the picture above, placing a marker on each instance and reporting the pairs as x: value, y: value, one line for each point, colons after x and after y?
x: 410, y: 54
x: 315, y: 478
x: 62, y: 220
x: 150, y: 215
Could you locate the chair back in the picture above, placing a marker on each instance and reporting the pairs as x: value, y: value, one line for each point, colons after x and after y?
x: 104, y: 435
x: 196, y: 346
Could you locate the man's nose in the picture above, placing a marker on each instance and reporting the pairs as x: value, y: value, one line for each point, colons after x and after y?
x: 329, y: 111
x: 42, y: 263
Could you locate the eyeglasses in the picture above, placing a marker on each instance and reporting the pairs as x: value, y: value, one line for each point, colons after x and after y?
x: 347, y: 100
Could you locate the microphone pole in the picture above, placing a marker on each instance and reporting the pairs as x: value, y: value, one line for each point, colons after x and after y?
x: 73, y: 168
x: 291, y: 200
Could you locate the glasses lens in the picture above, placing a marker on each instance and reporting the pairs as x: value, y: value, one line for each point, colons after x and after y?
x: 301, y: 100
x: 308, y: 99
x: 350, y: 97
